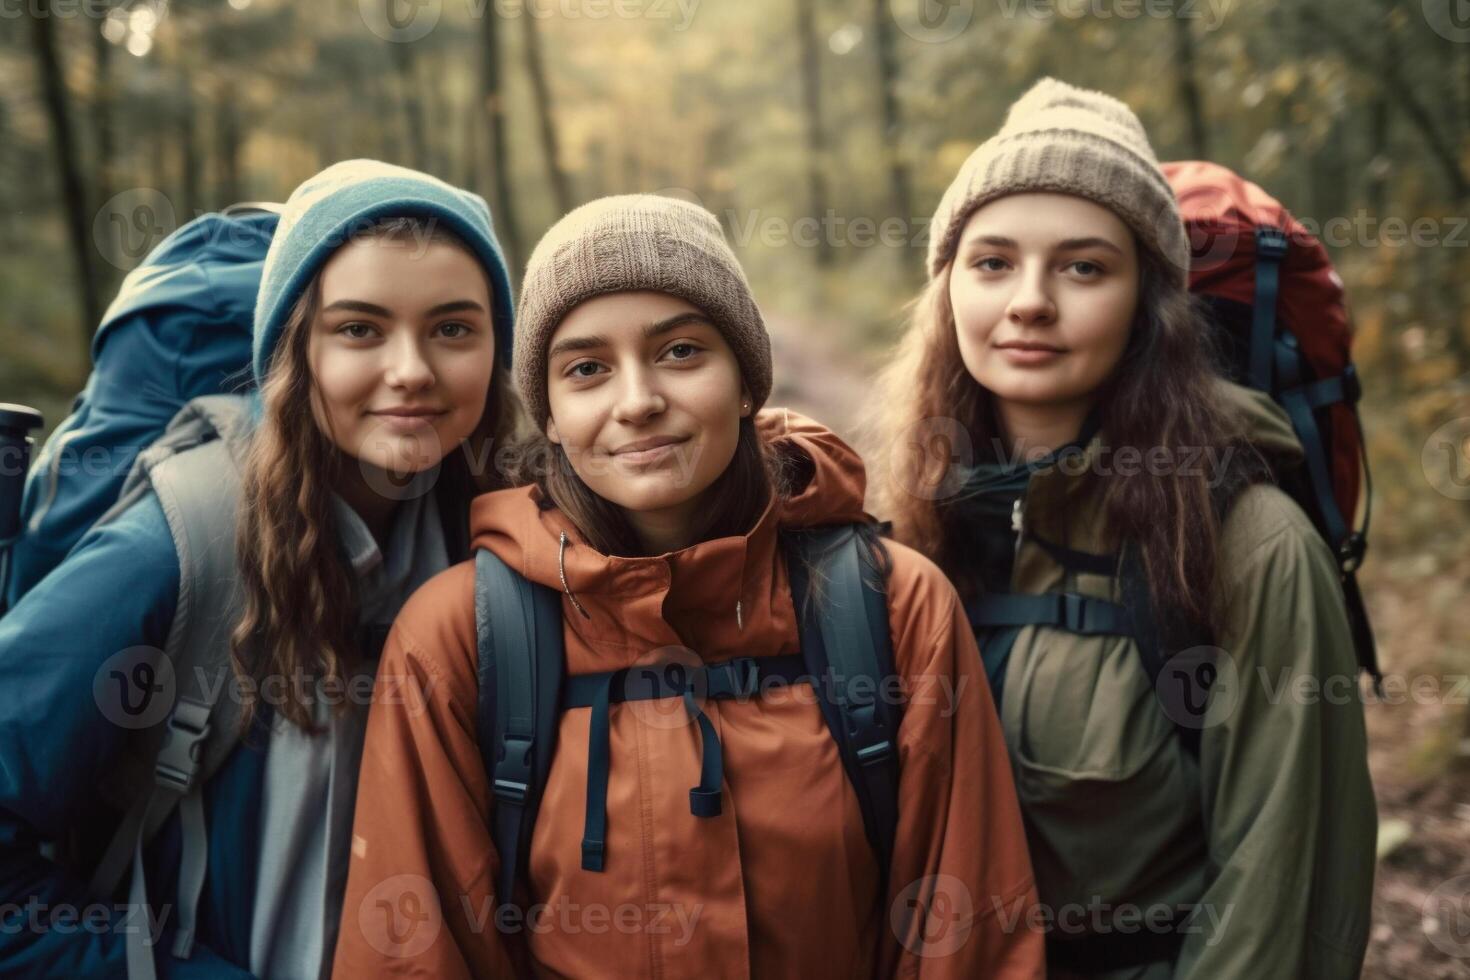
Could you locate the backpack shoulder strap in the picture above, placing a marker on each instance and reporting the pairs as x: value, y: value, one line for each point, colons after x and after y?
x: 522, y: 661
x: 1166, y: 648
x: 199, y: 491
x: 1178, y: 660
x: 849, y: 654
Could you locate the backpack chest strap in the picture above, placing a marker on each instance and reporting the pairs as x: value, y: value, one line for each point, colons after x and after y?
x: 743, y: 677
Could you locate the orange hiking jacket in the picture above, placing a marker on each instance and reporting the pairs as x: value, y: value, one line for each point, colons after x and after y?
x: 783, y: 882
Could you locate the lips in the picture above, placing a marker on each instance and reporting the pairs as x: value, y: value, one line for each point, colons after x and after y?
x: 409, y: 420
x: 644, y: 445
x: 1030, y: 346
x: 407, y: 412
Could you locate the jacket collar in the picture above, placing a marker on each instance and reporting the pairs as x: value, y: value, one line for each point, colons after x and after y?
x: 722, y: 597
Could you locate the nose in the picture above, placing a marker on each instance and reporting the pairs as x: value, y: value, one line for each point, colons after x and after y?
x: 638, y: 399
x: 407, y: 369
x: 1031, y: 303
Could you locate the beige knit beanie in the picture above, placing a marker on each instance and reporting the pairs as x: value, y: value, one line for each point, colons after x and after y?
x: 1070, y: 141
x: 631, y: 242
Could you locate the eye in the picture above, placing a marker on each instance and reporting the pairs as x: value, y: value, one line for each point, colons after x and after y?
x: 455, y: 329
x: 689, y: 350
x: 990, y: 263
x: 357, y: 330
x: 1086, y: 269
x: 575, y: 371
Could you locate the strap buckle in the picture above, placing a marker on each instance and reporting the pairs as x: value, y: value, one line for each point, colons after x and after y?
x: 513, y: 772
x: 877, y: 754
x: 1352, y: 387
x: 1070, y: 611
x: 1270, y: 243
x: 1351, y: 552
x: 738, y: 678
x: 178, y: 760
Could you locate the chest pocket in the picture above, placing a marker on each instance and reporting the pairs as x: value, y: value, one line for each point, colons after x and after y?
x: 1111, y: 796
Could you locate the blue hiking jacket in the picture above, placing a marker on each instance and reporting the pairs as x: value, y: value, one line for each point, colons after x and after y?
x: 118, y: 589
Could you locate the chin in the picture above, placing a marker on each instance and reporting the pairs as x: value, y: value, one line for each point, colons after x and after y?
x: 405, y: 455
x: 1030, y: 390
x: 653, y: 498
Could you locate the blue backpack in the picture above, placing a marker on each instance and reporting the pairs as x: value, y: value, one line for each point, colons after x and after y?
x: 179, y: 328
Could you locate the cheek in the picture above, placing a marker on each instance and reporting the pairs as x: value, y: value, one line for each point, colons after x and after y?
x: 1102, y: 332
x: 715, y: 403
x: 465, y: 379
x: 344, y: 380
x: 976, y: 311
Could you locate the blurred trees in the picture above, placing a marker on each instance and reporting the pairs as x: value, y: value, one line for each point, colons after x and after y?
x: 120, y: 119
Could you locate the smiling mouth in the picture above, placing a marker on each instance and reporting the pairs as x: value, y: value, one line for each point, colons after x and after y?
x: 647, y: 452
x: 409, y: 413
x: 1047, y: 348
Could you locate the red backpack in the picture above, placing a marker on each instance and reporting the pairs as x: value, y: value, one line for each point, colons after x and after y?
x: 1279, y: 306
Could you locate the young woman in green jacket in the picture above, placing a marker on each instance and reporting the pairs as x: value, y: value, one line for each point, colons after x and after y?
x: 1221, y: 832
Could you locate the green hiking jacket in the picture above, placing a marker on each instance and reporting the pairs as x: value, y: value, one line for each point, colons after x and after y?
x: 1271, y: 829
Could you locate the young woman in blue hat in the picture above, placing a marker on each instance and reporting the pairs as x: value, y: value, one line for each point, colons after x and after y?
x: 271, y: 559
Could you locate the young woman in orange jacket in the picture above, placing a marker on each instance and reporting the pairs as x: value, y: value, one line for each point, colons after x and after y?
x: 661, y: 518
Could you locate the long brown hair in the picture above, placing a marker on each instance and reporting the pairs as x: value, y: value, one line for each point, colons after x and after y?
x: 1163, y: 392
x: 300, y: 602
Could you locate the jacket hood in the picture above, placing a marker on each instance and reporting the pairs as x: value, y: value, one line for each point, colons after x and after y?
x: 1264, y: 423
x: 831, y: 482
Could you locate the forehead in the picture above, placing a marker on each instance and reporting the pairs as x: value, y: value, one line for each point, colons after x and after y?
x: 614, y: 315
x: 1040, y: 218
x: 403, y: 273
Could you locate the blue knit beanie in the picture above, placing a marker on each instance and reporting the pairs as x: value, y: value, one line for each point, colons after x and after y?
x: 346, y: 199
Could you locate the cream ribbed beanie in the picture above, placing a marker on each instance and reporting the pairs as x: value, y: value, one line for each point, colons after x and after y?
x: 631, y: 242
x: 1067, y: 140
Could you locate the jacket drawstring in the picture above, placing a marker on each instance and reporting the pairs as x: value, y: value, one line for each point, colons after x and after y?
x: 561, y: 568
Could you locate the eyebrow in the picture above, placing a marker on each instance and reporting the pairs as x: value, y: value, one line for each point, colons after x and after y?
x: 1065, y: 245
x: 651, y: 330
x: 373, y: 309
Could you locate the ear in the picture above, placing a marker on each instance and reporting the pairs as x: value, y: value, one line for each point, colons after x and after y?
x: 746, y: 403
x: 551, y: 434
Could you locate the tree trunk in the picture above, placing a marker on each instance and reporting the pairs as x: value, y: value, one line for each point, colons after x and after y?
x: 227, y: 140
x: 409, y: 102
x: 102, y: 131
x: 190, y: 199
x: 816, y: 142
x: 74, y: 197
x: 469, y: 155
x: 494, y: 102
x: 546, y: 115
x: 898, y: 175
x: 1188, y: 84
x: 1380, y: 122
